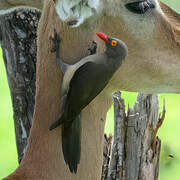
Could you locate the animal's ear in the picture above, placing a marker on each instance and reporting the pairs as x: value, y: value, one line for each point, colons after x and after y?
x: 172, y: 15
x: 174, y: 18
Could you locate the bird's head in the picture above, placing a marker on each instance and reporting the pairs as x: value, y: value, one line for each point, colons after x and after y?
x: 114, y: 47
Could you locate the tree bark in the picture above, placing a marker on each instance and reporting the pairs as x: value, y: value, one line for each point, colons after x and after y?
x: 133, y: 152
x: 18, y: 31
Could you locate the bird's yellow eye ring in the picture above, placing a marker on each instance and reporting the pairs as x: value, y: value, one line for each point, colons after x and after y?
x: 113, y: 43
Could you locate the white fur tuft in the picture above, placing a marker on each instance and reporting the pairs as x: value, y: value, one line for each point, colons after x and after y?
x: 79, y: 10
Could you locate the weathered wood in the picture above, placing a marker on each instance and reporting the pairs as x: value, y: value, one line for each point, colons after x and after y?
x: 106, y: 155
x: 18, y: 42
x: 135, y: 150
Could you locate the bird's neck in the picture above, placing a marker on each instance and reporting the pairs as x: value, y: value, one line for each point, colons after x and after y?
x: 113, y: 63
x: 114, y: 57
x: 110, y: 53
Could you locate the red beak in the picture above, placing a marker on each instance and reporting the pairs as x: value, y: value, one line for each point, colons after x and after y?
x: 102, y: 36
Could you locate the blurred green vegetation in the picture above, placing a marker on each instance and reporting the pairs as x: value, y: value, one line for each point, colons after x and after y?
x: 175, y: 4
x: 8, y: 153
x: 168, y: 133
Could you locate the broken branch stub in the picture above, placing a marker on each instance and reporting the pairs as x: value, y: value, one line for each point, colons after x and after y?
x: 134, y: 151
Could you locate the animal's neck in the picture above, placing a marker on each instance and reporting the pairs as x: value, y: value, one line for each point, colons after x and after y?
x: 43, y: 159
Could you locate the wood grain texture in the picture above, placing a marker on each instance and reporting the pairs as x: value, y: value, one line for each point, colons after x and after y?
x: 135, y: 150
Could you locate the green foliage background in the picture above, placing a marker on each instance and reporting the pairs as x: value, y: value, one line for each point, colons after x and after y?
x: 169, y: 132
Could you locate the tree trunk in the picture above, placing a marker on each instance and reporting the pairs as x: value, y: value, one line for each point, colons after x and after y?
x: 134, y: 153
x: 18, y: 32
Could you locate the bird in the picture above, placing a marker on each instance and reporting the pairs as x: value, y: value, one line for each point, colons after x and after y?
x: 82, y: 82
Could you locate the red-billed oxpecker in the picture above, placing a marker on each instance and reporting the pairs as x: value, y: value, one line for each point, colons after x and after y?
x: 82, y: 82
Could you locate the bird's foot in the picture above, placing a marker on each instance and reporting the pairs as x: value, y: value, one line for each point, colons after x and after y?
x: 56, y: 41
x: 92, y: 49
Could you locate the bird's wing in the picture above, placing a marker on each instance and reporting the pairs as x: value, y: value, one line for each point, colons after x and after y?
x: 62, y: 102
x: 87, y: 82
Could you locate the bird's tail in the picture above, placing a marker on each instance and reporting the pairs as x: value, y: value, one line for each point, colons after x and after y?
x: 71, y: 143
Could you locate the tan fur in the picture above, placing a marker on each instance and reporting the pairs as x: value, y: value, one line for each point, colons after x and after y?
x: 44, y: 159
x: 153, y: 65
x: 6, y: 4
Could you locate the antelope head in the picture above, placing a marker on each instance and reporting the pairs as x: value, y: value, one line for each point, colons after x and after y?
x: 151, y: 31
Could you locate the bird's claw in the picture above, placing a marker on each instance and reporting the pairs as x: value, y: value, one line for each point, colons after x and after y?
x: 56, y: 41
x: 92, y: 49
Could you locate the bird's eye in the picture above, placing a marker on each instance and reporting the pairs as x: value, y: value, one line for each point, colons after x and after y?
x: 113, y: 43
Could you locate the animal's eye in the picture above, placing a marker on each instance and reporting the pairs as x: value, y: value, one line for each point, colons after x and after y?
x: 113, y: 43
x: 140, y: 7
